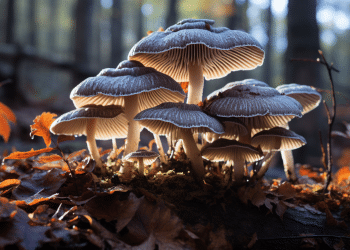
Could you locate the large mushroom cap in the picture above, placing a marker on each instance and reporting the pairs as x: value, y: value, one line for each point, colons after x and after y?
x: 110, y: 87
x: 218, y: 50
x: 257, y: 106
x: 148, y: 157
x: 167, y: 118
x: 308, y: 96
x: 278, y: 139
x: 230, y: 150
x: 111, y: 122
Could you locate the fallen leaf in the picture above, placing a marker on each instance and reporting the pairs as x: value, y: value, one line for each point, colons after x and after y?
x: 49, y: 158
x: 286, y: 190
x: 7, y: 113
x: 253, y: 241
x: 63, y: 138
x: 4, y: 128
x: 24, y: 155
x: 9, y: 183
x: 41, y: 126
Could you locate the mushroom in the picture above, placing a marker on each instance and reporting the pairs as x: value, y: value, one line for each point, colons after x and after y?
x: 132, y: 86
x: 181, y: 121
x: 232, y: 151
x: 258, y: 107
x: 96, y: 122
x: 276, y: 139
x: 143, y: 157
x: 309, y: 98
x: 192, y: 48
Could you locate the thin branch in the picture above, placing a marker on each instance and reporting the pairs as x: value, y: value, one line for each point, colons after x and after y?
x: 331, y: 117
x: 323, y: 151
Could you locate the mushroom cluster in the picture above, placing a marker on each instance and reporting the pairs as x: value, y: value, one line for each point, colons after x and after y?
x: 240, y: 122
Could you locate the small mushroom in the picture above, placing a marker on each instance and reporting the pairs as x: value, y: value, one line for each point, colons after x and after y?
x: 132, y: 86
x: 276, y: 139
x: 96, y: 122
x: 257, y: 106
x: 233, y: 152
x: 181, y: 121
x: 143, y: 157
x: 309, y: 98
x: 192, y: 48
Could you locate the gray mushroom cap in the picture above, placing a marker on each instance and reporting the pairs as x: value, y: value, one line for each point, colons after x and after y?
x: 110, y: 87
x: 148, y: 156
x: 230, y: 150
x: 278, y: 139
x: 219, y: 50
x: 168, y: 118
x: 257, y: 106
x: 308, y: 96
x: 111, y: 122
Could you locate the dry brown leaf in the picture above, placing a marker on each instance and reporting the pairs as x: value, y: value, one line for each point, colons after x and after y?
x: 281, y: 208
x: 343, y: 174
x: 49, y: 158
x: 41, y: 126
x: 150, y: 144
x: 287, y: 190
x: 24, y: 155
x: 184, y: 86
x: 75, y: 154
x: 7, y: 113
x: 218, y: 240
x: 9, y: 183
x: 4, y: 128
x: 253, y: 241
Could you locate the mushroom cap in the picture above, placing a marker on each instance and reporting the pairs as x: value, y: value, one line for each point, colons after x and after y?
x: 219, y: 50
x: 257, y: 106
x: 230, y: 150
x: 148, y: 156
x: 308, y: 96
x: 130, y: 78
x: 234, y: 128
x: 168, y: 118
x: 111, y: 122
x: 278, y: 139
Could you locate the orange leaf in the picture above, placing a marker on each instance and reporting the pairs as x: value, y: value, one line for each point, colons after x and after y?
x: 75, y: 154
x: 107, y: 151
x: 41, y: 126
x: 7, y: 112
x: 9, y: 183
x: 49, y: 158
x: 62, y: 138
x: 184, y: 86
x: 4, y: 128
x: 160, y: 29
x: 25, y: 155
x: 342, y: 174
x: 149, y: 32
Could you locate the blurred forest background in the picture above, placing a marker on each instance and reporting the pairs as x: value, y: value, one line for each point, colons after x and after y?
x: 49, y: 46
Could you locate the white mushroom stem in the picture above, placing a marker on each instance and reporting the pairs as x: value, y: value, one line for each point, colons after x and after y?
x: 193, y: 153
x: 159, y: 147
x: 91, y: 143
x: 131, y: 110
x: 196, y: 83
x: 114, y: 143
x: 288, y: 164
x: 141, y: 165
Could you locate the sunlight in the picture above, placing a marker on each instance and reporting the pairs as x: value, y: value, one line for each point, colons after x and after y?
x: 147, y: 9
x: 325, y: 15
x: 279, y: 8
x: 262, y: 4
x: 106, y: 4
x: 328, y: 37
x: 258, y: 32
x: 341, y: 21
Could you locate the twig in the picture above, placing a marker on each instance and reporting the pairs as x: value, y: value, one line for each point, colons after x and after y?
x: 331, y: 118
x: 322, y: 150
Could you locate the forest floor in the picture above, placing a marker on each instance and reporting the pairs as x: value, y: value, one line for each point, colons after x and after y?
x: 43, y: 205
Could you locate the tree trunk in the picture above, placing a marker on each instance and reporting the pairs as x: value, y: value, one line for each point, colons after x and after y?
x: 172, y: 16
x: 116, y: 32
x: 267, y: 70
x: 83, y: 34
x: 303, y: 42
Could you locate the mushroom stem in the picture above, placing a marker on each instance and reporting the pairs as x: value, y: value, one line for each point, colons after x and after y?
x: 159, y: 147
x: 265, y: 166
x: 141, y: 165
x: 193, y: 153
x: 196, y: 83
x: 238, y: 173
x: 131, y: 110
x: 114, y: 143
x: 288, y: 164
x: 91, y: 143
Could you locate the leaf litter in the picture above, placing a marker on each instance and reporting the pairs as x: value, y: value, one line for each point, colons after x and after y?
x: 67, y: 204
